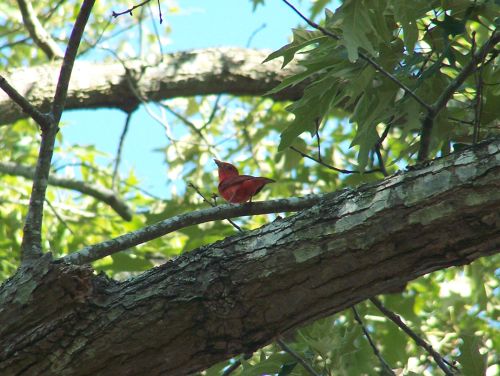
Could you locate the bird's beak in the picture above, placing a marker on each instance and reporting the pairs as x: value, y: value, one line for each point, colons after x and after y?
x: 218, y: 163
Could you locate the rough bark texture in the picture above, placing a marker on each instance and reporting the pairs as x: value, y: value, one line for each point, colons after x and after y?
x: 235, y: 71
x: 237, y: 294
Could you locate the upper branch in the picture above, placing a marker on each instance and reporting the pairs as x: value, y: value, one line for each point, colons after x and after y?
x: 37, y: 31
x: 69, y: 59
x: 31, y: 246
x: 236, y: 71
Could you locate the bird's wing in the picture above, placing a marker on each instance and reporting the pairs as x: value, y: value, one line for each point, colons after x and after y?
x: 234, y: 180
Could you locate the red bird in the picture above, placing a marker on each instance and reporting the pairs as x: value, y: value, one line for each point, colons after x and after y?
x: 237, y: 188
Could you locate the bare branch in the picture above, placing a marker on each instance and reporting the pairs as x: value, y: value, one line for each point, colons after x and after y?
x: 102, y: 194
x: 145, y: 234
x: 31, y: 246
x: 441, y: 362
x: 364, y: 56
x: 37, y: 31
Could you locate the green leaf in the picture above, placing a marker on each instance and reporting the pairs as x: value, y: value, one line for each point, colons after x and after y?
x: 472, y: 361
x: 310, y: 109
x: 271, y: 365
x: 374, y: 106
x: 451, y: 25
x: 217, y: 369
x: 301, y: 39
x: 287, y: 368
x: 297, y: 78
x: 356, y: 26
x: 407, y: 13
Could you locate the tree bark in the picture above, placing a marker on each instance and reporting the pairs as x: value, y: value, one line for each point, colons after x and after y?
x: 236, y: 295
x: 237, y: 71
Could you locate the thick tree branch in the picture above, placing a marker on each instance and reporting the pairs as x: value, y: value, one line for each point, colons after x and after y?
x: 145, y: 234
x: 236, y: 295
x: 236, y: 71
x: 105, y: 195
x: 37, y: 31
x: 31, y: 246
x: 447, y: 94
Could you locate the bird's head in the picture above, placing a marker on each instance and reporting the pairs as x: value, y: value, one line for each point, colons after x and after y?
x: 226, y: 169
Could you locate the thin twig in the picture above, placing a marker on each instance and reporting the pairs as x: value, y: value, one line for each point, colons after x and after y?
x: 212, y: 204
x: 478, y: 108
x: 254, y: 33
x: 36, y: 30
x: 365, y: 57
x: 155, y: 29
x: 330, y: 166
x: 441, y: 362
x: 159, y: 11
x: 129, y: 11
x: 31, y: 246
x: 161, y: 228
x: 297, y: 357
x: 212, y: 114
x: 318, y: 122
x: 61, y: 219
x: 381, y: 162
x: 378, y: 148
x: 384, y: 364
x: 120, y: 149
x: 187, y: 122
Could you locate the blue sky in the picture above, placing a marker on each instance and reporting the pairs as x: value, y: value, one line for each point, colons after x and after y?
x: 199, y: 24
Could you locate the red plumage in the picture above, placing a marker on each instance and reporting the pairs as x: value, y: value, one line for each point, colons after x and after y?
x: 237, y: 188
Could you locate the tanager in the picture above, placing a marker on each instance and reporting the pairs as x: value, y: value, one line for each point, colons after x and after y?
x: 236, y: 188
